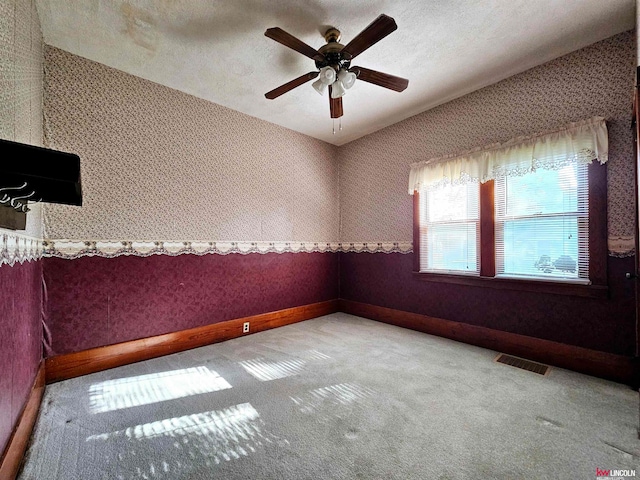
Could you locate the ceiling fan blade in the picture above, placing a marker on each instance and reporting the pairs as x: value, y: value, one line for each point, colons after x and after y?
x: 335, y: 105
x: 292, y: 42
x: 376, y: 31
x: 382, y: 79
x: 296, y: 82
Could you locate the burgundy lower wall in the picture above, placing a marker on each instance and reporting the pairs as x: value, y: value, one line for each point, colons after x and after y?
x: 97, y: 301
x: 20, y: 340
x: 599, y: 324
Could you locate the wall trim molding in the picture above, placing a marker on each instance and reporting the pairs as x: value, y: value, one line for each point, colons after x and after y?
x: 72, y: 249
x: 622, y: 246
x: 614, y: 367
x: 71, y: 365
x: 376, y: 247
x: 13, y: 455
x: 18, y: 248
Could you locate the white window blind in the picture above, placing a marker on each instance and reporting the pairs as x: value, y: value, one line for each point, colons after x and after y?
x: 450, y: 229
x: 542, y: 224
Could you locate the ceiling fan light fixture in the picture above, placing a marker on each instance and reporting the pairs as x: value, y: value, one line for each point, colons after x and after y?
x: 347, y: 78
x: 319, y: 86
x: 337, y: 90
x: 327, y: 75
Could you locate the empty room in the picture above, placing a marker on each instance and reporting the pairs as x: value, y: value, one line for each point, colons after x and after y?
x: 302, y: 240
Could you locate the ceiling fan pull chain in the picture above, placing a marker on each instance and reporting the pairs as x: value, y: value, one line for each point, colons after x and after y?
x: 334, y: 126
x: 340, y: 123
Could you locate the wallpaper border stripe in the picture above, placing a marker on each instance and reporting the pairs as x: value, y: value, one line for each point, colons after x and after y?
x: 18, y: 248
x: 71, y: 249
x: 621, y: 246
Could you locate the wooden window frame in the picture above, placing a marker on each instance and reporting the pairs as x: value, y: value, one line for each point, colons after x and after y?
x: 598, y: 287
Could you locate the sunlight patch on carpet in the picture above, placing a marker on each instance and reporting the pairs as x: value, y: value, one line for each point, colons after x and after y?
x: 140, y: 390
x: 166, y: 448
x: 331, y: 396
x: 265, y: 370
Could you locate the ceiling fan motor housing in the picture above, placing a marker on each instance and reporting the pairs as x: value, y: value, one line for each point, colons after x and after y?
x: 332, y: 51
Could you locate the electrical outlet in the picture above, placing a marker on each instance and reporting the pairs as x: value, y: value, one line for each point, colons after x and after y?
x: 245, y: 327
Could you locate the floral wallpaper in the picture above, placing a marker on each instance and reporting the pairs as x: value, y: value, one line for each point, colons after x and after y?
x: 161, y: 165
x: 21, y: 60
x: 595, y: 81
x: 20, y: 276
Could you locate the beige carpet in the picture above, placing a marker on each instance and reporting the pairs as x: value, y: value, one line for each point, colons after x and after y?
x: 336, y: 397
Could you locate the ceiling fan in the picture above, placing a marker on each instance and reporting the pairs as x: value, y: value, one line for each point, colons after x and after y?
x: 333, y: 62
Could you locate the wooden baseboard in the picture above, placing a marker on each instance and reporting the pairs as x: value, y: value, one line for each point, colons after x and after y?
x: 618, y: 368
x: 592, y: 362
x: 14, y: 453
x: 62, y: 367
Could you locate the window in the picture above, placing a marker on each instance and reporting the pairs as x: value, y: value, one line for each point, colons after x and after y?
x: 533, y: 209
x: 542, y: 224
x: 450, y: 227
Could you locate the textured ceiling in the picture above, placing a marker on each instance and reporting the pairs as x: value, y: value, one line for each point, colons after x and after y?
x: 217, y: 50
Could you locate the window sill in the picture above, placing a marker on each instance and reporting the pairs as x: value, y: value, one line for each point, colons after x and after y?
x: 525, y: 285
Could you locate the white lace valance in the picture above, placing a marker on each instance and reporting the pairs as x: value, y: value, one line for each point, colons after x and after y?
x: 579, y: 142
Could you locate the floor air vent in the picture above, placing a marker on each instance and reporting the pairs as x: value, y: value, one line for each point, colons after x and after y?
x: 523, y: 364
